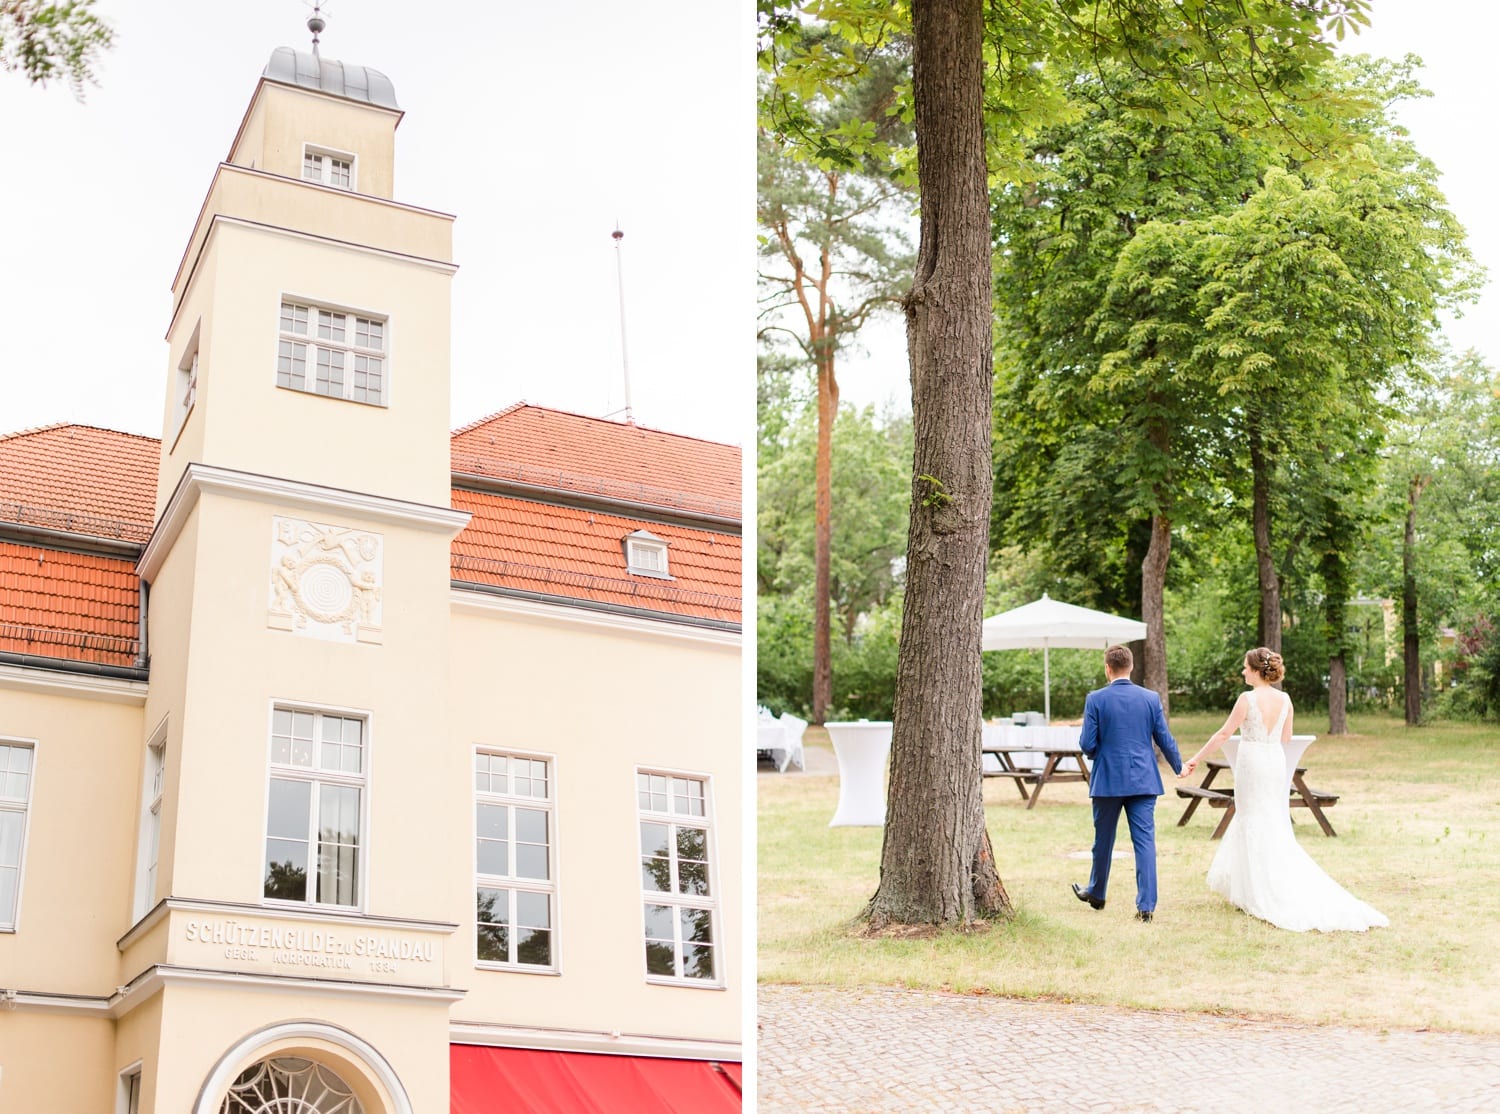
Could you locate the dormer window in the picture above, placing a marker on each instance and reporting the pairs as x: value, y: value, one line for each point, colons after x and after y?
x: 646, y: 555
x: 331, y: 168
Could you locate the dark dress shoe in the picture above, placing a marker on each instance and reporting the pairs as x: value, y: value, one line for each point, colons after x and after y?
x: 1142, y: 915
x: 1083, y: 895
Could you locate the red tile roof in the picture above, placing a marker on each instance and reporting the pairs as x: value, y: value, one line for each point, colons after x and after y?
x: 80, y: 479
x: 552, y: 448
x: 76, y: 606
x: 100, y: 483
x: 572, y: 551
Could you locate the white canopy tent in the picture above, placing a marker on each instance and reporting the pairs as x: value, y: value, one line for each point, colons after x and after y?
x: 1048, y: 623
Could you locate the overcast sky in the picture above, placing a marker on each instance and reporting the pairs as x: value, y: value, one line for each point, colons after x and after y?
x: 1454, y: 128
x: 539, y: 125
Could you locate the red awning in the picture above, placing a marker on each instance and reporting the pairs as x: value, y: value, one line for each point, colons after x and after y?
x: 504, y: 1080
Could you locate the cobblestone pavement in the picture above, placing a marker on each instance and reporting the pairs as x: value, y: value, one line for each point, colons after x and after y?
x: 863, y: 1050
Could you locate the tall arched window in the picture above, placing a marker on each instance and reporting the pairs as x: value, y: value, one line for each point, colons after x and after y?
x: 289, y: 1085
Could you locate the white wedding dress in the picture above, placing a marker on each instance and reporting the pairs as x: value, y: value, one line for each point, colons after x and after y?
x: 1260, y: 866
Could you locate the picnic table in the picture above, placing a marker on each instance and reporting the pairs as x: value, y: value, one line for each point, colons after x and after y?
x: 1033, y: 756
x: 1299, y: 794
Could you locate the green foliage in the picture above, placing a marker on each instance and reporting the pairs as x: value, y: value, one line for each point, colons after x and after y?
x: 1245, y: 63
x: 43, y: 41
x: 871, y: 484
x: 1448, y: 438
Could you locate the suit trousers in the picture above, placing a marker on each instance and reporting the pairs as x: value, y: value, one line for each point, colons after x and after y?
x: 1140, y: 812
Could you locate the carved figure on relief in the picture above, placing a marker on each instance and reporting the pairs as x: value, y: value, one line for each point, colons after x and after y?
x: 326, y: 580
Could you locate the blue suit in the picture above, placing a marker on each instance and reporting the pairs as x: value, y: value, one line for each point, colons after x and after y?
x: 1121, y: 723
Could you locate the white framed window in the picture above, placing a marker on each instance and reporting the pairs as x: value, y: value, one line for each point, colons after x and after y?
x: 188, y: 381
x: 515, y: 849
x: 17, y: 769
x: 185, y: 385
x: 150, y: 827
x: 678, y: 891
x: 290, y: 1085
x: 129, y: 1100
x: 329, y: 167
x: 333, y: 352
x: 315, y: 808
x: 646, y: 555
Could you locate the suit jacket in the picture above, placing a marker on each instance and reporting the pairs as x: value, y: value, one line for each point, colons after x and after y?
x: 1121, y: 721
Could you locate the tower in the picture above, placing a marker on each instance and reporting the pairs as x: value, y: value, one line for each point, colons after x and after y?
x: 298, y: 582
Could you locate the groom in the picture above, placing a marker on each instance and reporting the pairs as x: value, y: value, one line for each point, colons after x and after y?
x: 1120, y: 723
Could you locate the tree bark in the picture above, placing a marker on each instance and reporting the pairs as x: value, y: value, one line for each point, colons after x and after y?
x: 1153, y: 608
x: 1410, y: 645
x: 828, y: 411
x: 1260, y: 501
x: 936, y: 865
x: 1338, y: 715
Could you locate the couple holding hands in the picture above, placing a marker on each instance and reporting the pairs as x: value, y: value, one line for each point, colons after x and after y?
x: 1259, y: 866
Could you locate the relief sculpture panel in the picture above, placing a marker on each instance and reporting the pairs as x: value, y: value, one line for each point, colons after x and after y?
x: 325, y: 580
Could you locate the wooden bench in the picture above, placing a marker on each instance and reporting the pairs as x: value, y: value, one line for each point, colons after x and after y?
x: 1301, y: 796
x: 1036, y: 777
x: 1022, y: 776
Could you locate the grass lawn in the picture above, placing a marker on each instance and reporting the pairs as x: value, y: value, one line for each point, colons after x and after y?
x: 1418, y: 824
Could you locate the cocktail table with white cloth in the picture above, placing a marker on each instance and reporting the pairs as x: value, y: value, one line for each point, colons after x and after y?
x: 780, y: 738
x: 861, y: 748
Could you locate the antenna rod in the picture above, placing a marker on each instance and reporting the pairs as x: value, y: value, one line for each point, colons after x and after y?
x: 624, y: 356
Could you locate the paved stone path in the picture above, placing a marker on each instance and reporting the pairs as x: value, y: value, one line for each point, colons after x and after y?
x: 866, y: 1050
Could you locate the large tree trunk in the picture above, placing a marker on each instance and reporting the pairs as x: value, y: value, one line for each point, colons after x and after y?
x: 1410, y: 645
x: 1153, y: 607
x: 828, y: 411
x: 1265, y: 567
x: 1338, y: 715
x: 936, y: 865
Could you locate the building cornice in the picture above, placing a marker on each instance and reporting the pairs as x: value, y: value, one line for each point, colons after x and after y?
x: 209, y: 905
x: 182, y: 265
x: 490, y: 600
x: 59, y: 679
x: 442, y: 266
x: 149, y: 982
x: 624, y: 508
x: 199, y: 478
x: 588, y: 1040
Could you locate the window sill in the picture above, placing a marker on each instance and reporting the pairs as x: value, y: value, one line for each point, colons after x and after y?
x: 333, y: 398
x: 654, y: 575
x: 691, y: 984
x: 515, y: 968
x: 311, y: 909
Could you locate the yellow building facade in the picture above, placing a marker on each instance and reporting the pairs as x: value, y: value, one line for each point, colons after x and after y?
x: 409, y: 781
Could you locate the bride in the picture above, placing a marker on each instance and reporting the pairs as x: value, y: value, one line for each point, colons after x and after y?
x: 1260, y: 866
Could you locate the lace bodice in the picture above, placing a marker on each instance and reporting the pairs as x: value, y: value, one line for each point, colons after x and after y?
x: 1253, y: 730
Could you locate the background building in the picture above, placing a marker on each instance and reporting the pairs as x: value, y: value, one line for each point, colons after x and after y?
x: 344, y: 761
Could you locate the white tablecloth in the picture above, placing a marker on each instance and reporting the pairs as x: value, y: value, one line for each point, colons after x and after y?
x: 1010, y: 736
x: 1294, y: 749
x: 861, y: 749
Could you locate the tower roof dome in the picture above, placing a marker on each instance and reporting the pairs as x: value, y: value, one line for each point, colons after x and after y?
x: 341, y: 79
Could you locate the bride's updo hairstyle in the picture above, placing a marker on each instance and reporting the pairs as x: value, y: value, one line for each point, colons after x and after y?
x: 1267, y: 663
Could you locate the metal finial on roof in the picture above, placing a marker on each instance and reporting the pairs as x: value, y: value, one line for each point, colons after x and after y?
x: 315, y: 24
x: 617, y: 236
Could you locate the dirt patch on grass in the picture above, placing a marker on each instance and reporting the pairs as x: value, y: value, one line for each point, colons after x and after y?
x: 895, y: 931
